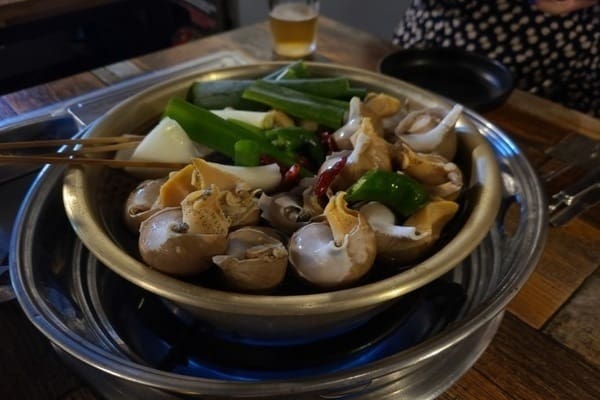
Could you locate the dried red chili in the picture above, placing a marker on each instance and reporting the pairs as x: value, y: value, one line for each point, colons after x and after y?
x: 326, y: 177
x: 328, y: 141
x: 291, y: 177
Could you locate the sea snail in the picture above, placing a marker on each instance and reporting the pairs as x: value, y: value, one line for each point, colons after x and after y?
x: 430, y: 130
x: 337, y: 252
x: 408, y: 242
x: 254, y: 260
x: 142, y: 202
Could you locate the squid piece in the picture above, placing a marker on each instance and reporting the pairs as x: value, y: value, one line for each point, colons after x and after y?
x: 430, y: 130
x: 439, y: 176
x: 142, y: 202
x: 254, y: 260
x: 336, y: 253
x: 411, y: 241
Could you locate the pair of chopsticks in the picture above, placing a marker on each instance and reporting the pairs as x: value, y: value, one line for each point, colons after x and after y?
x: 78, y: 151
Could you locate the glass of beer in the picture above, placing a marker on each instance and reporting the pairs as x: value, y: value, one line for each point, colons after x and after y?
x: 294, y: 27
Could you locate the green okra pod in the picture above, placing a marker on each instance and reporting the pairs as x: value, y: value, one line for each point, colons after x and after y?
x: 327, y: 112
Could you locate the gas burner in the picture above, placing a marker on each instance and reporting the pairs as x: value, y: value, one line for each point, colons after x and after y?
x: 146, y: 325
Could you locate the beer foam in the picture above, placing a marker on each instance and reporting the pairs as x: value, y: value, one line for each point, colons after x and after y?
x: 293, y: 12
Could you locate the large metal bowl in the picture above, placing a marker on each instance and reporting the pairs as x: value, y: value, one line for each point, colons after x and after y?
x: 90, y: 195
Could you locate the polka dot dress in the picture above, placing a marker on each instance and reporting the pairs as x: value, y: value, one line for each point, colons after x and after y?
x: 553, y: 56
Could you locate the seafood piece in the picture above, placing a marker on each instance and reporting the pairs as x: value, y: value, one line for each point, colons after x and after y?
x: 439, y: 176
x: 430, y: 130
x: 407, y: 243
x: 336, y: 253
x: 177, y: 187
x: 289, y: 211
x: 370, y: 151
x: 254, y: 260
x: 167, y: 244
x: 142, y: 202
x: 343, y: 134
x: 384, y: 111
x: 283, y: 211
x: 231, y: 177
x: 215, y: 210
x: 202, y: 174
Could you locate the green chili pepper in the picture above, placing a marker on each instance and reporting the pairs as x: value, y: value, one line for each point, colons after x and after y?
x: 298, y: 139
x: 327, y: 112
x: 399, y: 192
x: 247, y: 153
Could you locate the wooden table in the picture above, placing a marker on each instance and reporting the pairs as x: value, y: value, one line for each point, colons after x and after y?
x: 548, y: 346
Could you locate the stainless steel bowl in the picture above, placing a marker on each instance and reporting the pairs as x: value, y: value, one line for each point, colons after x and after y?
x: 90, y: 193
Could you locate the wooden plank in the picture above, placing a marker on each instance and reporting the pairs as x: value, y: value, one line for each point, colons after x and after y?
x: 475, y: 386
x: 74, y: 85
x: 577, y: 324
x: 345, y: 45
x: 182, y: 53
x: 571, y: 255
x: 30, y: 99
x: 52, y: 92
x: 531, y: 366
x: 555, y: 115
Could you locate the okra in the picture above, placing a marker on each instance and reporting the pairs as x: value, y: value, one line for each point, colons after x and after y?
x: 327, y: 112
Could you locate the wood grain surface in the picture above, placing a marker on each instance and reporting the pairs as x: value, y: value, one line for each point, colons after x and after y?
x: 548, y: 346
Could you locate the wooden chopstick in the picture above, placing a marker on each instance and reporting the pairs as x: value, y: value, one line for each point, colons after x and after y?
x: 77, y: 155
x: 100, y: 148
x: 69, y: 142
x: 32, y: 159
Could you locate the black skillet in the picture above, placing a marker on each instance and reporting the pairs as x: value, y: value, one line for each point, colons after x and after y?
x: 465, y: 77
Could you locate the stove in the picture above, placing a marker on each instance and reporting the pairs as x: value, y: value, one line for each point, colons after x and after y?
x: 129, y: 343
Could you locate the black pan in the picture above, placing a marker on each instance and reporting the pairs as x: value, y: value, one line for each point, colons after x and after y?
x: 467, y: 78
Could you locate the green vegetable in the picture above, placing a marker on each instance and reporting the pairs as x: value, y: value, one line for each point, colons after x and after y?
x: 325, y: 87
x: 219, y: 95
x: 327, y: 112
x: 247, y: 153
x: 216, y: 95
x: 221, y: 135
x: 399, y: 192
x: 296, y: 139
x: 295, y: 70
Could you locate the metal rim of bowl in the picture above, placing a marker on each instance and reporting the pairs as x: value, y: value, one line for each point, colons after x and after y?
x: 476, y: 227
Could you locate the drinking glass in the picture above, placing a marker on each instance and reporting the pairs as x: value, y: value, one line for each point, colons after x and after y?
x: 294, y: 27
